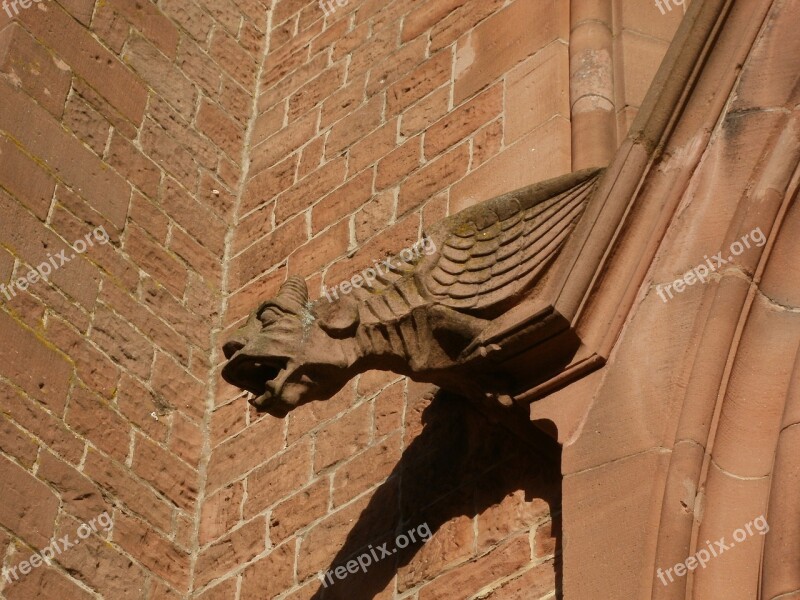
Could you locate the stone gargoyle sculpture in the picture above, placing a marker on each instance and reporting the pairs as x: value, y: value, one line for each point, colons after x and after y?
x: 423, y: 318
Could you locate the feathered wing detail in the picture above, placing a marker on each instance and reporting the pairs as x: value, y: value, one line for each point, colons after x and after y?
x: 493, y: 251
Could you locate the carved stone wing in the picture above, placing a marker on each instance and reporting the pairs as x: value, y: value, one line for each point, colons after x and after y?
x: 491, y: 252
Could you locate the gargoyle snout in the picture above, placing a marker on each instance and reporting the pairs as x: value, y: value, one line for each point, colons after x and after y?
x: 231, y: 347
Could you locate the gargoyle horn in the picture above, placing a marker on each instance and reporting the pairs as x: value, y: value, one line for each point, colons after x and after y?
x: 293, y: 296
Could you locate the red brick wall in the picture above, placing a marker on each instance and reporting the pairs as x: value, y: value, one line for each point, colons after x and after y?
x: 131, y: 116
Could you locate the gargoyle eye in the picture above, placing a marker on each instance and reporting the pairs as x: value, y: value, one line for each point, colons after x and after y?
x: 268, y: 313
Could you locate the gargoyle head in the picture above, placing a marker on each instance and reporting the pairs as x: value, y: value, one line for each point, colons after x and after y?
x: 282, y: 356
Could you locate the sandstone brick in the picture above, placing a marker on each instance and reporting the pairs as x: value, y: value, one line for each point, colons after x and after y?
x: 152, y: 327
x: 295, y: 200
x: 300, y: 510
x: 536, y: 582
x: 482, y: 57
x: 221, y: 129
x: 343, y: 102
x: 190, y: 16
x: 315, y: 91
x: 151, y: 22
x: 222, y: 591
x: 471, y: 577
x: 270, y: 575
x: 29, y: 507
x: 538, y: 89
x: 186, y: 439
x: 399, y: 163
x: 163, y: 149
x: 487, y: 143
x: 341, y: 202
x: 161, y: 74
x: 15, y: 442
x: 343, y: 437
x: 370, y: 149
x: 105, y: 108
x: 233, y: 59
x: 268, y: 183
x: 375, y: 215
x: 278, y: 477
x: 22, y: 177
x: 638, y: 72
x: 112, y: 28
x: 375, y: 50
x: 240, y: 454
x: 463, y: 121
x: 433, y: 177
x: 547, y: 536
x: 47, y: 140
x: 320, y: 542
x: 138, y: 404
x: 88, y: 124
x: 156, y: 261
x: 177, y: 387
x: 201, y: 149
x: 540, y: 155
x: 166, y: 473
x: 93, y: 367
x: 350, y: 41
x: 45, y: 583
x: 428, y: 110
x: 321, y: 250
x: 397, y: 64
x: 99, y: 423
x: 34, y: 69
x: 119, y: 481
x: 304, y: 420
x: 224, y: 12
x: 152, y: 550
x: 366, y: 470
x: 33, y: 365
x: 426, y: 15
x: 428, y: 76
x: 28, y: 414
x: 236, y: 101
x: 282, y: 144
x: 137, y: 168
x: 221, y: 512
x: 268, y: 251
x: 149, y: 217
x: 122, y: 342
x: 311, y: 157
x: 355, y: 126
x: 389, y: 405
x: 238, y: 548
x: 196, y: 256
x: 80, y: 496
x: 400, y: 235
x: 452, y: 543
x: 269, y: 122
x: 99, y: 67
x: 333, y: 32
x: 461, y: 21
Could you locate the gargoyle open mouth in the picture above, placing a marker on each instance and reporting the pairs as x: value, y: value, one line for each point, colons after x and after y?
x: 257, y: 375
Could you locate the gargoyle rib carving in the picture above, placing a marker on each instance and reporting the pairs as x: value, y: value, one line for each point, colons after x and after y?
x: 423, y: 318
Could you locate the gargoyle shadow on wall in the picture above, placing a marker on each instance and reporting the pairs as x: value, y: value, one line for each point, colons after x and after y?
x: 460, y: 465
